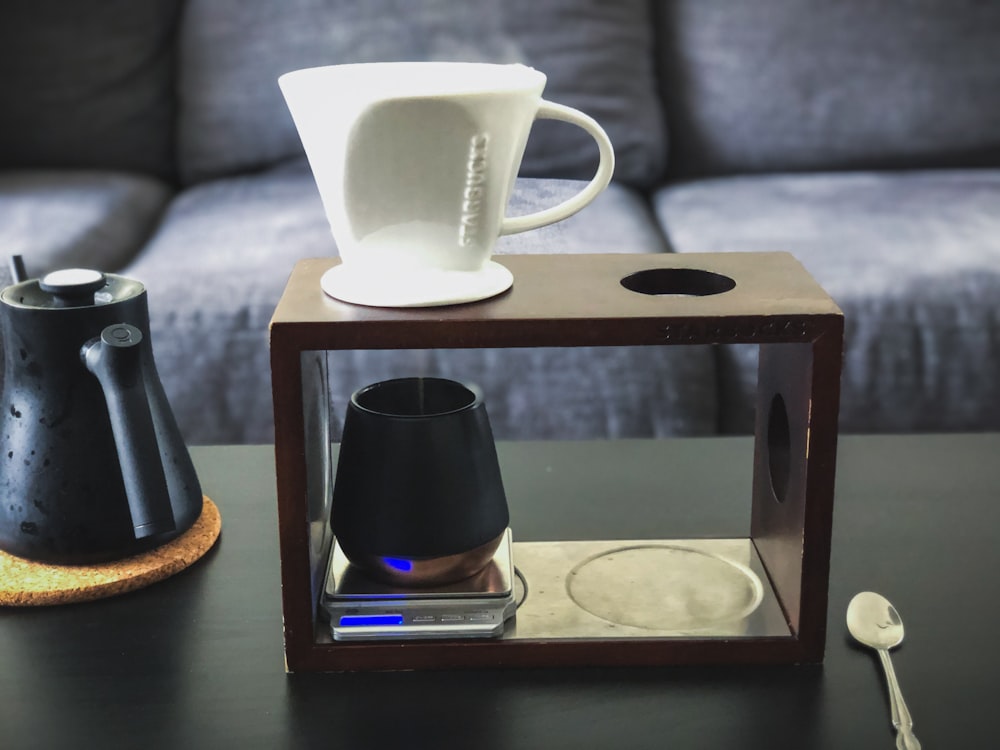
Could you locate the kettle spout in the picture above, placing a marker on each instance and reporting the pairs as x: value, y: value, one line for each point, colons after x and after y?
x: 115, y: 359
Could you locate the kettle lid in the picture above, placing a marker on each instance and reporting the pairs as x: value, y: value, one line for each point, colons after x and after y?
x: 72, y: 287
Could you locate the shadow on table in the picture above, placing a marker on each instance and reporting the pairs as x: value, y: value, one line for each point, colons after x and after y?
x: 715, y: 707
x: 114, y: 672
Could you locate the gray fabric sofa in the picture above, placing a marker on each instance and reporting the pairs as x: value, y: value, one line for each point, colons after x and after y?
x: 150, y: 138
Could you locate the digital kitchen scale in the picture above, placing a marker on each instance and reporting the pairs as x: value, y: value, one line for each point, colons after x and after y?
x: 360, y: 609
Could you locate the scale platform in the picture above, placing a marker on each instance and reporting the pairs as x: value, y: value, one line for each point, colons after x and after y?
x: 360, y: 609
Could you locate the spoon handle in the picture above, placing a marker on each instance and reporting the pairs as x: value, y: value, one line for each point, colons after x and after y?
x: 901, y: 719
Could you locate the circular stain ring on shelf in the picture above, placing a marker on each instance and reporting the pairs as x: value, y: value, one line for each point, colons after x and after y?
x: 667, y: 588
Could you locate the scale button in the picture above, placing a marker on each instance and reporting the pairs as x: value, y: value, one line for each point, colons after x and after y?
x: 421, y: 619
x: 452, y: 618
x: 481, y: 617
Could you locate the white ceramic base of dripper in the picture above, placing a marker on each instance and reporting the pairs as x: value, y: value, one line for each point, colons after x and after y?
x: 414, y: 287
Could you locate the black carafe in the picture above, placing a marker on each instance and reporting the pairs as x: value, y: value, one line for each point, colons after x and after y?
x: 418, y: 498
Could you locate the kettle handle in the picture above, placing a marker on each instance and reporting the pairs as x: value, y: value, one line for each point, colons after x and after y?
x: 115, y: 359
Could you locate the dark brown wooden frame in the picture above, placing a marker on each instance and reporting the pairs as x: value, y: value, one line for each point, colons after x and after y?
x: 579, y: 300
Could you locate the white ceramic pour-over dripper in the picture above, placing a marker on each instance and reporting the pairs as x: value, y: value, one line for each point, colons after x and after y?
x: 415, y: 163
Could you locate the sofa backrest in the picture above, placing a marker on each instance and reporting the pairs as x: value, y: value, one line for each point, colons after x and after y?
x: 598, y: 56
x: 88, y: 84
x: 782, y: 85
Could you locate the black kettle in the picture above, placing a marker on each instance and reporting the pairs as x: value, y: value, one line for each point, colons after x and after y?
x: 93, y: 465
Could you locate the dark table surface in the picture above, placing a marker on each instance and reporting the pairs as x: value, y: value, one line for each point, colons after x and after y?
x: 196, y: 661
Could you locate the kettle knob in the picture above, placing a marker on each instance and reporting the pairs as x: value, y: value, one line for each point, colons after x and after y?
x: 73, y: 287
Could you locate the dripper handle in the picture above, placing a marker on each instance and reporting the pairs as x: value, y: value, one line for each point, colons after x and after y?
x: 115, y: 359
x: 605, y: 169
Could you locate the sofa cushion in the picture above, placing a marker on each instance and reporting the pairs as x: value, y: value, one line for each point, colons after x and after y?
x: 598, y: 57
x: 59, y: 219
x: 238, y: 239
x: 88, y: 84
x: 913, y: 260
x: 618, y: 221
x: 789, y: 85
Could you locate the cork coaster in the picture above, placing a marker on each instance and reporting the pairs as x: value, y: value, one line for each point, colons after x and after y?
x: 24, y: 583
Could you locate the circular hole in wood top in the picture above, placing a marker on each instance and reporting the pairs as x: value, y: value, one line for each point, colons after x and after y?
x: 687, y: 282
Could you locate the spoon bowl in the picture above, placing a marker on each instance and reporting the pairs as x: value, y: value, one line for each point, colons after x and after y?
x: 873, y: 621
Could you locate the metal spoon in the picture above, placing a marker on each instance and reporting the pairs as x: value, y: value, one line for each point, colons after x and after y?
x: 874, y: 622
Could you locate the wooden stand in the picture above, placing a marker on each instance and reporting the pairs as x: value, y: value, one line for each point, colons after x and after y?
x: 766, y: 299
